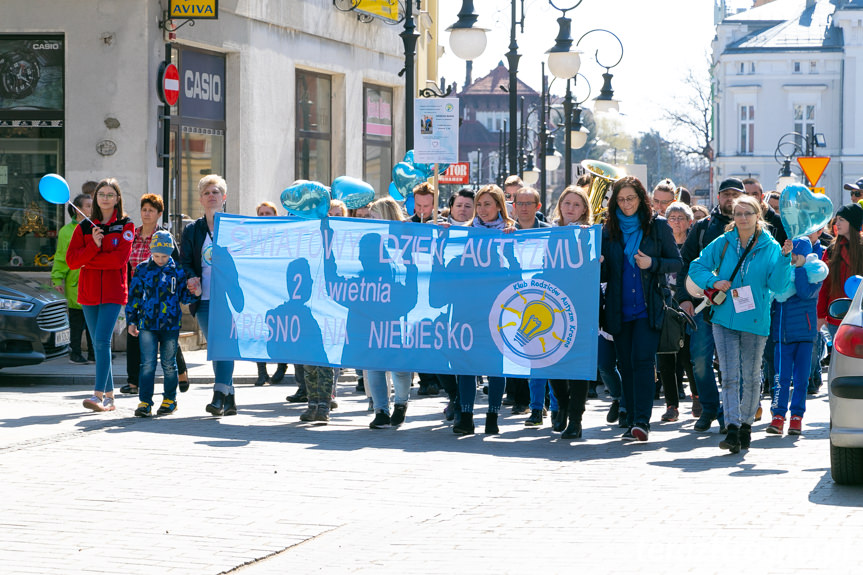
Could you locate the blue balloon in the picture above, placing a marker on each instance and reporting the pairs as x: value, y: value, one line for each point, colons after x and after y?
x: 851, y: 285
x: 409, y: 205
x: 354, y: 192
x: 409, y: 157
x: 803, y: 212
x: 308, y: 200
x: 406, y: 177
x: 54, y: 189
x: 394, y: 192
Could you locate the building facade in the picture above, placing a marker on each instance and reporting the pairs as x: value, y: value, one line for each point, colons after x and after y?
x: 789, y: 66
x: 270, y: 92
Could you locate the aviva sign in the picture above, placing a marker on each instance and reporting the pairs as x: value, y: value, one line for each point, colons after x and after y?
x: 203, y: 9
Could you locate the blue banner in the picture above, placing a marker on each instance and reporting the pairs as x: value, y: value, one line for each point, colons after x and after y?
x: 402, y: 296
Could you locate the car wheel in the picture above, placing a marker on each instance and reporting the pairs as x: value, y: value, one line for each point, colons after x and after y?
x: 846, y: 465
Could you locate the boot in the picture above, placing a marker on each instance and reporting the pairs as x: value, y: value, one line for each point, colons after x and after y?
x: 217, y: 406
x: 558, y: 420
x: 745, y: 435
x: 464, y: 425
x: 732, y: 440
x: 535, y: 419
x: 310, y: 413
x: 230, y: 405
x: 300, y: 396
x: 279, y: 374
x: 322, y: 417
x: 613, y: 411
x: 491, y: 427
x: 573, y: 430
x: 263, y: 378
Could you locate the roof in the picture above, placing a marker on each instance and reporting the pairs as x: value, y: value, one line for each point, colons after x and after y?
x: 473, y: 134
x: 489, y: 85
x: 789, y: 25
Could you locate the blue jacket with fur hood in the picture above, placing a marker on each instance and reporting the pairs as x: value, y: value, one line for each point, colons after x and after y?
x: 795, y: 318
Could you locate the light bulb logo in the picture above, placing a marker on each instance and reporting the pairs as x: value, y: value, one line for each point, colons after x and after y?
x: 536, y: 319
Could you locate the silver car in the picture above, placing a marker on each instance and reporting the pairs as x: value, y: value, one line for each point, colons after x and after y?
x: 846, y: 391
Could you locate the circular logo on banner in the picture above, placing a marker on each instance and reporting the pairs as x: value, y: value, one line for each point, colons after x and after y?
x: 533, y: 323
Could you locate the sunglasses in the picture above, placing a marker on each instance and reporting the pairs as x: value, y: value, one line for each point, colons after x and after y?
x: 857, y: 194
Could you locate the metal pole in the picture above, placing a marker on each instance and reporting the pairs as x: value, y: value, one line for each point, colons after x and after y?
x: 512, y: 58
x: 166, y: 153
x: 567, y: 157
x: 543, y: 136
x: 409, y: 38
x: 521, y: 153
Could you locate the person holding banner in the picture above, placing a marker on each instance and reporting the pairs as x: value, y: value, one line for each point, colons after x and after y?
x: 196, y: 257
x: 268, y: 209
x: 638, y: 251
x: 100, y: 249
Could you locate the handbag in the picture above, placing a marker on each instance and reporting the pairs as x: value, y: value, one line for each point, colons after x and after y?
x: 672, y: 336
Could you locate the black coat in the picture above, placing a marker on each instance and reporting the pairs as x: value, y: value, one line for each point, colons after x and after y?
x: 702, y: 233
x: 659, y: 244
x: 194, y: 236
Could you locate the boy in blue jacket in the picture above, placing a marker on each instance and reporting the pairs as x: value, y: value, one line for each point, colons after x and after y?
x: 153, y: 314
x: 794, y: 326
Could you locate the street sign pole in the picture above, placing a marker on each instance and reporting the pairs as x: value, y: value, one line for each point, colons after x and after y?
x: 166, y: 152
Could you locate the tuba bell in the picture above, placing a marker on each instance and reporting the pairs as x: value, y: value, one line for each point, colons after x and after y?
x: 602, y: 176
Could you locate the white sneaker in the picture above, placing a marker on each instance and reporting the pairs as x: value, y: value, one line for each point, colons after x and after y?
x: 108, y: 403
x: 94, y: 403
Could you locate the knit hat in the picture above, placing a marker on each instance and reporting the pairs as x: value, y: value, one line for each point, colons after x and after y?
x: 853, y: 213
x: 802, y: 247
x: 162, y: 243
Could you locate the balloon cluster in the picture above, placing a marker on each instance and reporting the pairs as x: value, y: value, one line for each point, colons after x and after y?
x: 407, y: 175
x: 311, y: 200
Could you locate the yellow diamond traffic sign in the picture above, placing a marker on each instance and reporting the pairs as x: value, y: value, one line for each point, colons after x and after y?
x: 813, y: 167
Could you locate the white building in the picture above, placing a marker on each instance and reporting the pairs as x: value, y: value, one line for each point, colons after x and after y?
x: 780, y: 67
x: 270, y: 92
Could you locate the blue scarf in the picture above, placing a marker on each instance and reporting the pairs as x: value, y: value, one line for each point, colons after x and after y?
x: 497, y: 224
x: 632, y: 234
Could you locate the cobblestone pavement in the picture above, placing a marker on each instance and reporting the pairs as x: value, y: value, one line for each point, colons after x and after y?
x: 261, y: 493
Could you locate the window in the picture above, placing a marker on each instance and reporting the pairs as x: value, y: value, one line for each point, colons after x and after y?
x: 741, y: 68
x: 813, y: 67
x: 314, y: 131
x: 804, y: 118
x: 747, y: 129
x: 795, y: 67
x: 377, y: 136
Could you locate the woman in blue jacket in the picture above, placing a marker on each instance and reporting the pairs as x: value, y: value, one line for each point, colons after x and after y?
x: 638, y: 249
x: 741, y: 323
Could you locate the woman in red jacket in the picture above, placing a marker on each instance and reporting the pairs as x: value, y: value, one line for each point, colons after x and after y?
x: 101, y: 251
x: 844, y: 258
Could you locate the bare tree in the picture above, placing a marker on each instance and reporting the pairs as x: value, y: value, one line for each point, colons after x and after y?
x: 692, y: 114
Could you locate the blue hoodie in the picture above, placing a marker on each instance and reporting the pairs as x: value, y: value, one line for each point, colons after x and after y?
x: 795, y: 315
x: 765, y: 270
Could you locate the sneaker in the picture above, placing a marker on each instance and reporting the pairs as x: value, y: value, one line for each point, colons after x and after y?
x: 143, y: 409
x: 398, y: 416
x: 671, y: 414
x: 77, y: 358
x: 696, y: 407
x: 622, y: 420
x: 795, y: 427
x: 640, y: 431
x: 704, y: 422
x: 775, y: 427
x: 381, y: 421
x: 129, y: 389
x: 168, y: 407
x: 322, y: 415
x: 299, y: 397
x: 627, y: 435
x: 535, y: 419
x: 108, y: 403
x: 613, y: 412
x: 519, y: 409
x: 94, y: 403
x: 758, y: 413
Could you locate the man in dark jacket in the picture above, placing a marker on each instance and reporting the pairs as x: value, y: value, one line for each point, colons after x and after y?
x: 701, y: 342
x: 752, y: 187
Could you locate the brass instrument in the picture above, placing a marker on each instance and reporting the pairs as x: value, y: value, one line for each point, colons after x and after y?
x: 602, y: 176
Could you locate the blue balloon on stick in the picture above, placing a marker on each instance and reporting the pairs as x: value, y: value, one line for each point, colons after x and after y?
x: 354, y: 192
x: 308, y: 200
x: 54, y: 189
x: 851, y: 285
x: 406, y: 177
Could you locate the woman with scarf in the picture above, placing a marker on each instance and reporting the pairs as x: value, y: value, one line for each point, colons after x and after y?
x: 638, y: 249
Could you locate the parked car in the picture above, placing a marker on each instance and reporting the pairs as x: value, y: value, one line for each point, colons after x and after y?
x: 845, y: 383
x: 34, y: 323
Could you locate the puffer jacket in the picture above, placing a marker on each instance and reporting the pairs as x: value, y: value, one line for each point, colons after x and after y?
x: 794, y: 315
x: 155, y: 296
x: 103, y: 268
x: 765, y: 270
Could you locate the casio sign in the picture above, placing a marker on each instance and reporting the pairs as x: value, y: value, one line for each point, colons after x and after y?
x: 46, y: 46
x: 202, y: 86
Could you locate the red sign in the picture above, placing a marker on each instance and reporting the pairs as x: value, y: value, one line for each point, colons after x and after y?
x: 169, y: 84
x: 456, y: 174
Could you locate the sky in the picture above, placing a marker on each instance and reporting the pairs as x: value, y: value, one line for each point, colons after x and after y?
x: 662, y: 40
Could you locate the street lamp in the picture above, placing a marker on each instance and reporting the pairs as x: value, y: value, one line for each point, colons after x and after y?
x: 791, y: 145
x: 563, y: 61
x: 531, y: 174
x: 466, y: 39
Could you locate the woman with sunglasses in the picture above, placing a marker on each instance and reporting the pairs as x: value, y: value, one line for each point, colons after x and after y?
x: 749, y: 267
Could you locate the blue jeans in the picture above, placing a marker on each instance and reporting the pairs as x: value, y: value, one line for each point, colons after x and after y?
x: 377, y: 385
x: 100, y: 321
x: 740, y: 355
x: 223, y: 370
x: 537, y: 395
x: 153, y: 343
x: 636, y: 346
x: 607, y: 365
x: 701, y: 346
x: 792, y: 364
x: 467, y: 392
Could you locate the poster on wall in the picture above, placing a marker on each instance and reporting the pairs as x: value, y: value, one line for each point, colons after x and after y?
x: 31, y: 74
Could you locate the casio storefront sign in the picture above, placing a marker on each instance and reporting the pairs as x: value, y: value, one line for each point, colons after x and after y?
x: 202, y: 85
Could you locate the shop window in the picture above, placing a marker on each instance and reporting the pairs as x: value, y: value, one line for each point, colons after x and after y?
x: 378, y: 137
x: 314, y: 130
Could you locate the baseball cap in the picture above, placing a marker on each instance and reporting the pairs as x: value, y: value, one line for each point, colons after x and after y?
x: 856, y: 186
x: 731, y: 184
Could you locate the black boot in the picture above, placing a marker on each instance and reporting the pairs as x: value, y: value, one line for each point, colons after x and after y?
x: 464, y: 425
x: 573, y: 430
x: 300, y: 396
x: 217, y: 406
x: 230, y: 405
x: 491, y: 427
x: 732, y: 440
x: 613, y: 412
x: 263, y: 378
x: 745, y: 435
x: 279, y: 374
x: 310, y: 413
